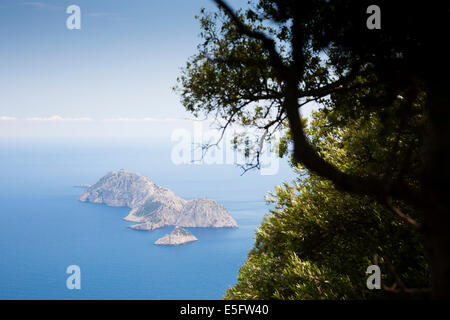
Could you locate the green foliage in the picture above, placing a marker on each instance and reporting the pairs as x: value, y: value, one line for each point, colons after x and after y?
x: 318, y: 242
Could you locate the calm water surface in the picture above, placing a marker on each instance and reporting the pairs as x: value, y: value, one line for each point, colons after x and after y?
x: 44, y: 229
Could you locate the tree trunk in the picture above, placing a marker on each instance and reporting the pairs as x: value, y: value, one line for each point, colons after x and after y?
x: 437, y: 239
x: 436, y: 182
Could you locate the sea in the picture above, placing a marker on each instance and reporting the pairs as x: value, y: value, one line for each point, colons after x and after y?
x: 44, y: 228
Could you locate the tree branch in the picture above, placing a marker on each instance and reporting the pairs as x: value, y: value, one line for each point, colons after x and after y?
x: 410, y: 221
x: 327, y: 89
x: 399, y: 283
x: 304, y: 153
x: 268, y: 43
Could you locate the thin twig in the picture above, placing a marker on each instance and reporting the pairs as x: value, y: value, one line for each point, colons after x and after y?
x: 410, y: 221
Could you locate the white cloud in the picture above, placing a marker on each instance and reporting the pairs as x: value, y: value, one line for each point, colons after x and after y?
x: 35, y: 4
x: 41, y: 5
x: 100, y: 14
x: 120, y: 119
x: 146, y: 119
x: 58, y: 118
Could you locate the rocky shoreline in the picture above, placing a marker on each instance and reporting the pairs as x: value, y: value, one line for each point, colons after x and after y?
x: 176, y: 237
x: 154, y: 207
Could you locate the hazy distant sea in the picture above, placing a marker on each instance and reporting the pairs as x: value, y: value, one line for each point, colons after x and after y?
x: 44, y: 229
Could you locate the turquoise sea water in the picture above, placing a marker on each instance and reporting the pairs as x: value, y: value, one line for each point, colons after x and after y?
x: 44, y: 229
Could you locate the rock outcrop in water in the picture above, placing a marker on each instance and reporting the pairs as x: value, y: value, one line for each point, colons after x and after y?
x: 176, y: 237
x: 153, y: 206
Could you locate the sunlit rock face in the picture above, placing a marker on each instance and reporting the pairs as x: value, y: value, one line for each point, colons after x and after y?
x: 153, y: 206
x: 176, y: 237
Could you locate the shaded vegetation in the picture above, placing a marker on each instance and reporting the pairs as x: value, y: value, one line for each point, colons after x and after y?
x: 376, y: 154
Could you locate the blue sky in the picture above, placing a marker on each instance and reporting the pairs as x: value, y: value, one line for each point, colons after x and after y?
x: 121, y: 64
x: 112, y: 77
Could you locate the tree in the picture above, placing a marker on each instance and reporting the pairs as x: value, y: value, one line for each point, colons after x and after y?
x: 260, y: 66
x: 319, y: 241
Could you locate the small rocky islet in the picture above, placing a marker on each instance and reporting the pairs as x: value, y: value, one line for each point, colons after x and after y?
x: 154, y: 207
x: 176, y: 237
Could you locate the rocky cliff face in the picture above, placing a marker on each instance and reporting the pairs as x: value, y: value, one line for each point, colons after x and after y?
x: 120, y: 189
x: 176, y: 237
x: 154, y: 206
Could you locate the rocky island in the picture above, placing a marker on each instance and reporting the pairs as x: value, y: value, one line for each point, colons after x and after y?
x: 153, y: 206
x: 176, y: 237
